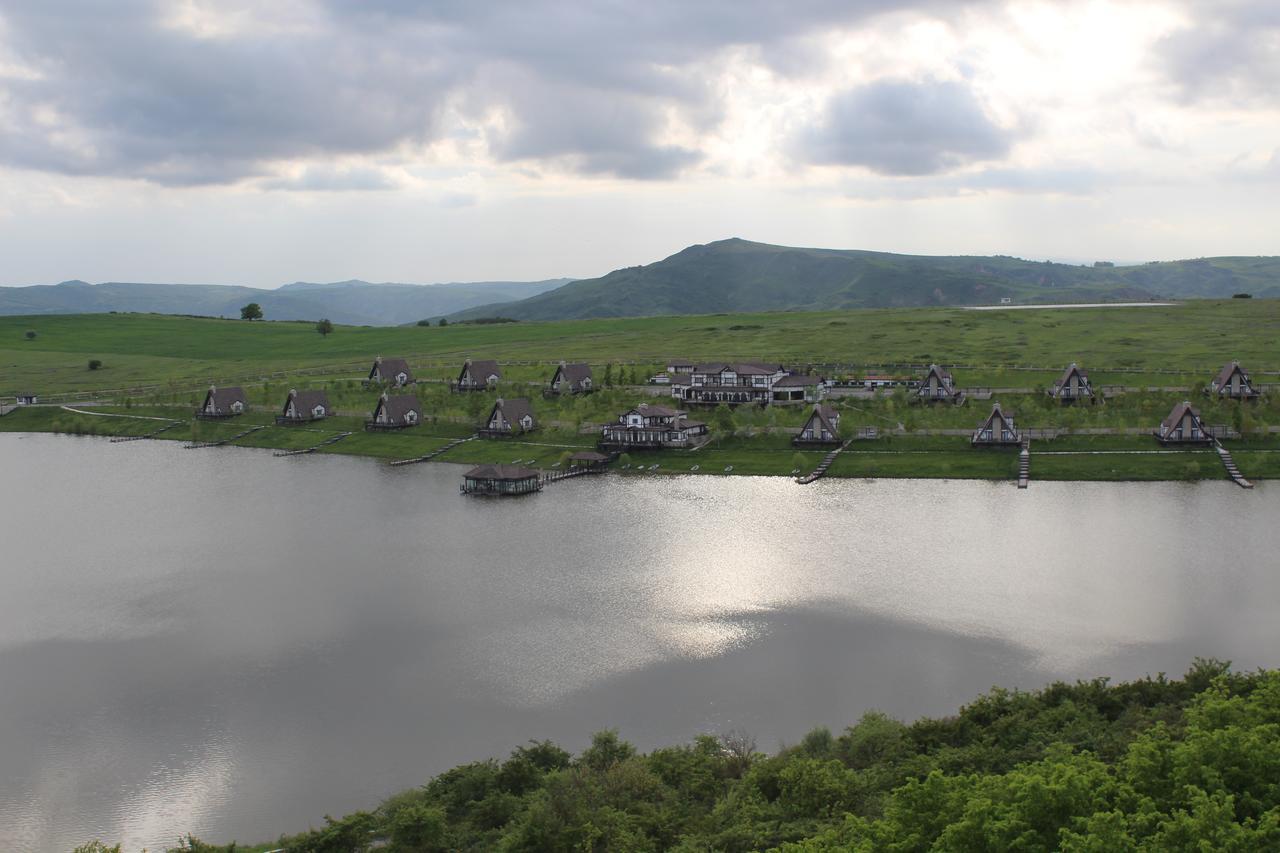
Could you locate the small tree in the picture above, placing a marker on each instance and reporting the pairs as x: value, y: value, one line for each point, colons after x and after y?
x: 252, y: 311
x: 324, y: 327
x: 95, y: 363
x: 724, y: 420
x: 443, y: 322
x: 608, y: 374
x: 30, y: 335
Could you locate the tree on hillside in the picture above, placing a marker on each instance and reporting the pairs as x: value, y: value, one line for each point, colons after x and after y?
x: 324, y: 327
x: 30, y: 335
x: 95, y: 363
x: 443, y: 322
x: 252, y: 311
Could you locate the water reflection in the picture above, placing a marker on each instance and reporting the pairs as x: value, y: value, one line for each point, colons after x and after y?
x: 232, y: 644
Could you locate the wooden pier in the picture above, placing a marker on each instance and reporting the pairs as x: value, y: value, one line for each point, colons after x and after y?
x: 333, y: 439
x: 557, y: 476
x: 1232, y: 471
x: 821, y: 470
x: 196, y: 445
x: 433, y: 454
x: 1024, y: 463
x: 151, y: 434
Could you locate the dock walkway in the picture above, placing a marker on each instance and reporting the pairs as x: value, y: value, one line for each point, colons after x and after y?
x: 1024, y: 463
x: 151, y: 434
x: 817, y: 473
x: 1232, y: 471
x: 333, y: 439
x: 433, y: 454
x: 197, y: 445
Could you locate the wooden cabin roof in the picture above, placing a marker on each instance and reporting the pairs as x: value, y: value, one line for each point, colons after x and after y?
x: 480, y: 368
x: 514, y: 409
x: 1005, y: 418
x: 1224, y: 375
x: 224, y: 397
x: 501, y: 472
x: 573, y: 373
x: 307, y: 400
x: 797, y: 380
x: 1177, y: 413
x: 397, y: 406
x: 825, y: 415
x: 1066, y: 375
x: 388, y: 367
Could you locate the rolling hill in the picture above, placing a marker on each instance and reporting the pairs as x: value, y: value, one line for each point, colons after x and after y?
x: 350, y: 302
x: 738, y: 275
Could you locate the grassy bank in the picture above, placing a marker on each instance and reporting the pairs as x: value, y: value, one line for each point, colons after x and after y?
x: 157, y: 367
x: 1154, y: 764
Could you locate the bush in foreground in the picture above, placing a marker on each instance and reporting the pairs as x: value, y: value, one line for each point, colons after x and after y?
x: 1155, y: 764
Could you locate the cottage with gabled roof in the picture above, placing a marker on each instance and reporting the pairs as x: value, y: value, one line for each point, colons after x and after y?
x: 27, y: 398
x: 390, y: 371
x: 1183, y: 426
x: 937, y: 386
x: 478, y: 375
x: 222, y: 403
x: 650, y: 427
x: 822, y: 428
x: 301, y: 407
x: 1232, y: 381
x: 997, y: 430
x: 508, y: 418
x: 1072, y: 385
x: 571, y: 379
x: 501, y: 480
x: 397, y: 411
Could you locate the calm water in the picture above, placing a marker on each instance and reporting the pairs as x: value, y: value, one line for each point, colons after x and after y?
x: 223, y: 642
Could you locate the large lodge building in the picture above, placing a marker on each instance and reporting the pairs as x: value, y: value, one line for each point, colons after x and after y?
x: 740, y: 382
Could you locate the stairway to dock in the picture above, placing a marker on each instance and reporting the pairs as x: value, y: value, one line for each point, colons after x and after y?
x: 1024, y: 464
x: 433, y: 454
x: 821, y: 470
x: 151, y: 434
x: 333, y: 439
x: 196, y: 445
x: 1230, y: 464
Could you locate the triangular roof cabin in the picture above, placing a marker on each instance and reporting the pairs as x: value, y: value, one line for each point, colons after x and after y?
x: 399, y: 410
x: 391, y: 371
x: 222, y: 402
x: 1073, y: 384
x: 997, y: 429
x: 510, y: 416
x: 822, y: 426
x: 1233, y: 381
x: 574, y: 378
x: 479, y: 374
x: 1183, y: 426
x: 937, y: 385
x: 305, y: 405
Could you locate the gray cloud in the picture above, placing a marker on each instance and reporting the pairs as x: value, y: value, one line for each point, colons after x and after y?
x: 1230, y: 52
x: 328, y: 179
x: 590, y: 87
x: 897, y: 127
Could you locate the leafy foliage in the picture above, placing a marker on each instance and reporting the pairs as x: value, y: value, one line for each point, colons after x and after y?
x: 1155, y: 764
x: 252, y: 311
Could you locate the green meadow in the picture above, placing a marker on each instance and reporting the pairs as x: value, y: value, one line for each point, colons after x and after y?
x: 156, y: 366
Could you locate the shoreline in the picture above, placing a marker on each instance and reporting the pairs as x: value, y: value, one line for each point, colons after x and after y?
x: 1070, y: 458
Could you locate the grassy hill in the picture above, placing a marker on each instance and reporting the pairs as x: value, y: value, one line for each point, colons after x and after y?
x: 351, y: 302
x: 738, y: 275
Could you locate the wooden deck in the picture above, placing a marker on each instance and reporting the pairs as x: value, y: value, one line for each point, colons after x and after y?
x: 333, y: 439
x: 151, y: 434
x: 1024, y: 463
x: 1232, y: 471
x: 819, y: 472
x: 433, y: 454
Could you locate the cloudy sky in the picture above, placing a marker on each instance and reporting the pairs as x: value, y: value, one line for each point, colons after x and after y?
x: 392, y: 140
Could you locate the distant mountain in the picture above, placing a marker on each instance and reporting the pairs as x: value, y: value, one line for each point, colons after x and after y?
x: 351, y: 302
x: 737, y: 275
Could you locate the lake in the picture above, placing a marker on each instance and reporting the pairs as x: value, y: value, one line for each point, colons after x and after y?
x: 231, y: 644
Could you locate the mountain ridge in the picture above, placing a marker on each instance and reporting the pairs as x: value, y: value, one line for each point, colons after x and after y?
x: 736, y: 275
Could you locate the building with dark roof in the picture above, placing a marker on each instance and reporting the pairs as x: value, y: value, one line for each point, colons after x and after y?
x: 390, y: 371
x: 395, y: 412
x: 1183, y: 426
x: 302, y: 407
x: 822, y: 428
x: 650, y: 427
x: 997, y: 430
x: 1232, y: 381
x: 718, y: 382
x: 508, y: 418
x: 222, y: 403
x: 937, y: 386
x: 1072, y: 385
x: 571, y: 379
x: 477, y: 375
x: 501, y: 480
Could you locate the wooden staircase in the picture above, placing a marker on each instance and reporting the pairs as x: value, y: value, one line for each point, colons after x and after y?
x: 1024, y: 463
x: 196, y: 445
x: 433, y: 454
x: 817, y: 473
x: 151, y: 434
x: 1230, y: 464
